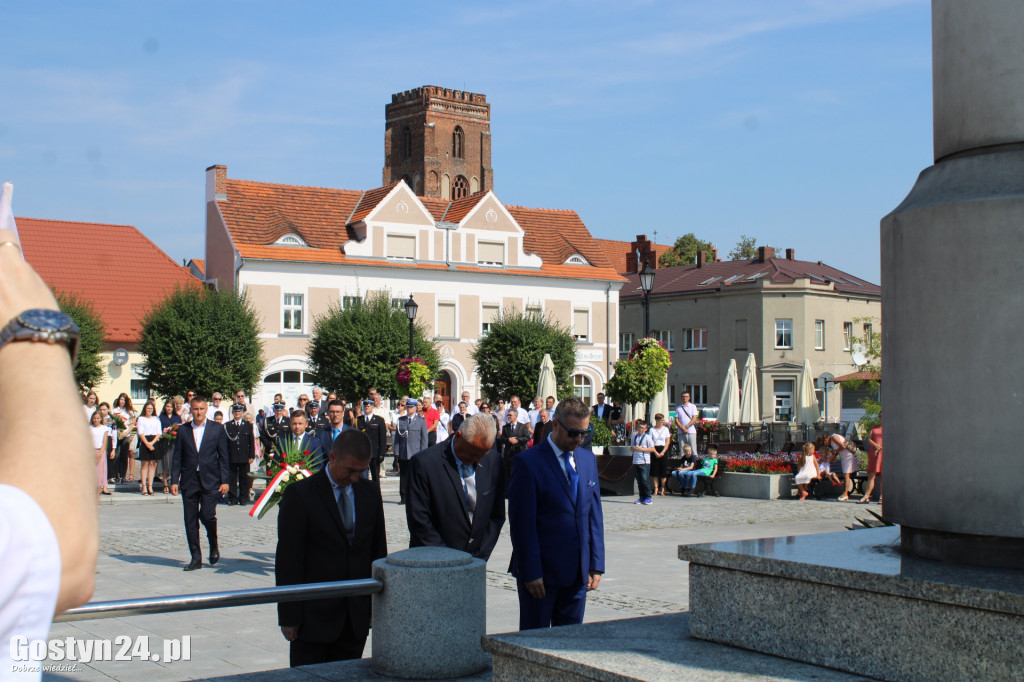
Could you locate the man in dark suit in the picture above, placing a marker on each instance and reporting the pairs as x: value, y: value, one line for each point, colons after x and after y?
x: 330, y: 527
x: 411, y: 437
x: 299, y: 437
x: 513, y: 439
x: 199, y: 467
x: 456, y: 495
x: 602, y: 410
x: 376, y: 429
x: 556, y: 524
x: 335, y: 425
x: 241, y: 455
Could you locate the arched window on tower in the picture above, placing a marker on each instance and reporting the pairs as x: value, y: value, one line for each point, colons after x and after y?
x: 460, y: 188
x: 406, y: 143
x: 458, y: 151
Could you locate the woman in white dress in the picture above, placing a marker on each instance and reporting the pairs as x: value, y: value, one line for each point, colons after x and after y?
x: 808, y: 470
x: 100, y: 433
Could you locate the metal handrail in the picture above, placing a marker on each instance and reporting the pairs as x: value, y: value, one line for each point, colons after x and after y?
x: 217, y: 600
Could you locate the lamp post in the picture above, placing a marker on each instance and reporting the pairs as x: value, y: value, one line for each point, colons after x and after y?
x: 647, y: 284
x: 410, y: 312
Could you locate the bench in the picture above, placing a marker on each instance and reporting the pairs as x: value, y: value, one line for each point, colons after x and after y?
x: 739, y: 446
x: 705, y: 484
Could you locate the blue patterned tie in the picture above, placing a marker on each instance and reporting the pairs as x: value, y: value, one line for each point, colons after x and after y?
x: 574, y: 478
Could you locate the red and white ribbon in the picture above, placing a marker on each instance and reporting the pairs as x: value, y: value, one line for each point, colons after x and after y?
x: 265, y: 498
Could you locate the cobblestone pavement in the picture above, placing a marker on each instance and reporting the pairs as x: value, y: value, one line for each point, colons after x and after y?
x: 143, y: 548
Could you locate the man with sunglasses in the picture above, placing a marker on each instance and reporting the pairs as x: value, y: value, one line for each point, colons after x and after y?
x: 556, y: 523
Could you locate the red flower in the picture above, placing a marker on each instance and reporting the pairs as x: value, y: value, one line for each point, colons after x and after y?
x: 305, y: 452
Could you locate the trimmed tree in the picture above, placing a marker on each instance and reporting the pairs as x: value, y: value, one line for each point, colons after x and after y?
x: 89, y: 370
x: 360, y: 346
x: 641, y: 376
x: 203, y: 340
x: 508, y: 358
x: 684, y: 251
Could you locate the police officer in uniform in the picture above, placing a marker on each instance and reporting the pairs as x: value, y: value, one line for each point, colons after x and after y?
x: 241, y: 455
x: 317, y: 419
x: 376, y: 429
x: 276, y: 426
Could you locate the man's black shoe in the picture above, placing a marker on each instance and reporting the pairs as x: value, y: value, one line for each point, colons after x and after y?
x: 214, y: 556
x: 193, y: 565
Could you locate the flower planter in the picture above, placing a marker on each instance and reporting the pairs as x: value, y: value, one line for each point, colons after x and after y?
x: 597, y: 450
x: 755, y: 486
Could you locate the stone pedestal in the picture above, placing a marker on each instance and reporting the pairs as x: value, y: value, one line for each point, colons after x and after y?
x: 428, y: 620
x: 853, y: 601
x: 952, y: 292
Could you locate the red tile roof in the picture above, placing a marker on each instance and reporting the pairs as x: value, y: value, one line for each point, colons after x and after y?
x: 200, y: 265
x: 258, y: 214
x: 618, y: 251
x: 689, y: 278
x: 859, y: 376
x: 114, y: 267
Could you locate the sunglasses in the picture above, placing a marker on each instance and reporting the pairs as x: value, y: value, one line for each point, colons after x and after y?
x: 577, y: 433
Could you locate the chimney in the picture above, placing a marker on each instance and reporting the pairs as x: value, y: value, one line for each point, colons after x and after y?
x: 714, y: 255
x: 217, y: 183
x: 790, y: 254
x: 700, y: 258
x: 764, y: 253
x: 642, y: 245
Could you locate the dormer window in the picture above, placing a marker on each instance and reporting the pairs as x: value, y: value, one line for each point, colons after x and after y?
x: 401, y: 247
x: 290, y: 240
x: 490, y: 253
x: 576, y: 259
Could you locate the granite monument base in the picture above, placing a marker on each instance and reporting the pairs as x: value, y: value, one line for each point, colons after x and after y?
x: 853, y: 601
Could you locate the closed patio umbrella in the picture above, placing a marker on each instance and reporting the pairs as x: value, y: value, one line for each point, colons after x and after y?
x: 729, y: 406
x: 546, y: 384
x: 807, y: 411
x: 750, y: 405
x: 660, y: 403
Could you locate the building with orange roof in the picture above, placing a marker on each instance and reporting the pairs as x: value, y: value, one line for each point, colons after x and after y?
x: 781, y: 309
x: 120, y: 272
x: 464, y: 257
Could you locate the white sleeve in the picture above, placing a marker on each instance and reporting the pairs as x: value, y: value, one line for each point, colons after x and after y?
x: 29, y: 574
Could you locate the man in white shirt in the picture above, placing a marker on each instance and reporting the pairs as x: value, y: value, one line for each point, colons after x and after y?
x: 686, y: 423
x: 215, y: 406
x: 515, y: 408
x: 534, y: 413
x: 471, y: 407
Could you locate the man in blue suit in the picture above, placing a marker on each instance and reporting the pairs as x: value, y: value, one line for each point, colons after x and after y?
x: 199, y: 466
x: 556, y: 523
x: 335, y: 426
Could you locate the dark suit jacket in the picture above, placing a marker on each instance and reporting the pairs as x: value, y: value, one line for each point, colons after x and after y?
x: 552, y: 538
x: 603, y: 411
x: 377, y: 431
x: 241, y: 442
x: 513, y: 430
x: 326, y: 437
x: 435, y: 506
x: 312, y: 547
x: 211, y: 459
x: 310, y: 441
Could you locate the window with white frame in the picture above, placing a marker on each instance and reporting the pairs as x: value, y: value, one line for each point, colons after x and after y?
x: 350, y: 301
x: 576, y: 259
x: 290, y: 240
x: 292, y: 313
x: 819, y: 335
x: 534, y: 310
x: 401, y: 246
x: 867, y: 332
x: 490, y: 253
x: 488, y: 317
x: 784, y: 333
x: 665, y: 336
x: 847, y: 335
x: 581, y: 324
x: 698, y: 393
x: 625, y: 342
x: 695, y: 339
x: 582, y: 388
x: 138, y: 384
x: 446, y: 320
x: 741, y: 335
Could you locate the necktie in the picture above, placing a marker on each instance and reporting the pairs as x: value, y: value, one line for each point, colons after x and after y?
x: 468, y: 486
x: 574, y: 478
x: 335, y: 434
x: 347, y: 513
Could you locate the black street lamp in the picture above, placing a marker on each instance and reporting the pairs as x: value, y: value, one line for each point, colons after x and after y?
x: 410, y: 312
x: 647, y: 284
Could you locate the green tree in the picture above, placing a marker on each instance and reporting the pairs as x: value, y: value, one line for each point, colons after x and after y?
x: 746, y: 248
x: 640, y: 377
x: 358, y: 347
x: 203, y: 340
x: 508, y: 358
x: 89, y: 369
x: 871, y: 346
x: 684, y: 251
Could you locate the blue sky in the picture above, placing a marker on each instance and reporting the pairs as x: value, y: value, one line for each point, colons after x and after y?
x: 800, y: 122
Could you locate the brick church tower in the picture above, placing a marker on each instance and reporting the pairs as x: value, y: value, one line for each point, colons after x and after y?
x: 439, y: 141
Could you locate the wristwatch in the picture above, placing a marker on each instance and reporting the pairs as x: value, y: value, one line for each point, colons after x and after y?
x: 40, y: 324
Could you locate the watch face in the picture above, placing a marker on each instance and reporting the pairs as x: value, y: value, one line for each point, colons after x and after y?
x: 45, y: 320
